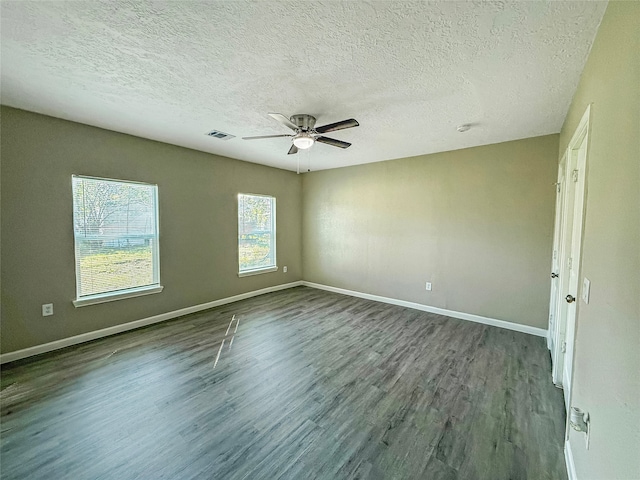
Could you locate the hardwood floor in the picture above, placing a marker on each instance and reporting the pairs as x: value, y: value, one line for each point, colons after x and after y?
x: 313, y: 385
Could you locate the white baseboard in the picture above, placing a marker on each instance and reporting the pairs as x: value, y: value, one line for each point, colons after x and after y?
x: 105, y: 332
x: 441, y: 311
x: 568, y: 459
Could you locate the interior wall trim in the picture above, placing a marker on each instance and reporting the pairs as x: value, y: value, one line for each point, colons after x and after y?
x: 568, y: 459
x: 105, y: 332
x: 539, y: 332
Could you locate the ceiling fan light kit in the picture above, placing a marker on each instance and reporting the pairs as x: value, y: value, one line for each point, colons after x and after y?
x: 305, y: 132
x: 303, y: 140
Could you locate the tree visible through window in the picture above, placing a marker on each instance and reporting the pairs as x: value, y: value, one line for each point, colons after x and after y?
x: 256, y: 232
x: 116, y: 235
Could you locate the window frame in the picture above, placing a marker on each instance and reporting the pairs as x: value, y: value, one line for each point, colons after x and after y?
x: 259, y: 270
x: 96, y: 298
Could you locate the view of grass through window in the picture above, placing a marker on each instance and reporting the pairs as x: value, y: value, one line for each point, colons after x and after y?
x: 256, y: 232
x: 110, y: 269
x: 115, y: 235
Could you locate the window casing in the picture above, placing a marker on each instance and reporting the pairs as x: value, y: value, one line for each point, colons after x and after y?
x: 115, y: 226
x: 256, y: 234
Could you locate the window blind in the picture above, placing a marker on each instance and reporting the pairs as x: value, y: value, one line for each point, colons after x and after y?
x: 116, y: 235
x: 256, y: 232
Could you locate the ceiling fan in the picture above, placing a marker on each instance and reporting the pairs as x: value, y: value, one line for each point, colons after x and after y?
x: 306, y: 134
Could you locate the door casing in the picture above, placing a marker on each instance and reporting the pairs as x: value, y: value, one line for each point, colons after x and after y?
x: 568, y: 253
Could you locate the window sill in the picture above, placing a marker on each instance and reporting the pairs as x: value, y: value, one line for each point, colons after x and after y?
x: 257, y: 271
x: 113, y: 296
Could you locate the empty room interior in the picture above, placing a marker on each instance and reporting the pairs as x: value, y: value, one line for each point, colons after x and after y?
x: 374, y: 240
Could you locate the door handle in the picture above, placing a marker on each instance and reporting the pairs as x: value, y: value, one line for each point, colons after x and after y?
x: 554, y: 275
x: 570, y: 298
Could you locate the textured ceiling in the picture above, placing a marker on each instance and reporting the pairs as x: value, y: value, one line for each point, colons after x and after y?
x: 409, y: 72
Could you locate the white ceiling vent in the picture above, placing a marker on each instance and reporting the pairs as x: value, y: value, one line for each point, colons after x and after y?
x: 220, y: 135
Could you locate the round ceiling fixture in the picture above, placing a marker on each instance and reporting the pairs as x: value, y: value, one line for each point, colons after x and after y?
x: 303, y: 140
x: 463, y: 128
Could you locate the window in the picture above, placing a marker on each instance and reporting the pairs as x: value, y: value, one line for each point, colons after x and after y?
x: 256, y: 234
x: 115, y: 226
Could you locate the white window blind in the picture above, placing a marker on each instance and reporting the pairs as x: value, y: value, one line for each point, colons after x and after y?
x: 116, y: 236
x: 256, y: 233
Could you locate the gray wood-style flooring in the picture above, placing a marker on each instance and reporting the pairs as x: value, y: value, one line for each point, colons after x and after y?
x: 314, y: 385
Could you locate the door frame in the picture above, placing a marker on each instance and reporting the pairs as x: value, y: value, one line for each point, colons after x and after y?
x: 570, y: 220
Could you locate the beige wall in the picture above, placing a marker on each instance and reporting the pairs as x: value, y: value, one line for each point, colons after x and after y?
x: 477, y: 223
x: 198, y: 224
x: 607, y: 352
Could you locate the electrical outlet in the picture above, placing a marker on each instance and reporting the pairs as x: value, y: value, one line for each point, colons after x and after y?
x: 428, y: 286
x: 284, y: 269
x: 47, y: 309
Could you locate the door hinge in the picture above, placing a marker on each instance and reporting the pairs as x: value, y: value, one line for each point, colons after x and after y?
x: 574, y: 175
x: 569, y: 263
x: 555, y: 254
x: 563, y: 349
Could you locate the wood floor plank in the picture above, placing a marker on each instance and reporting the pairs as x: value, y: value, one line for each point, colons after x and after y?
x: 314, y: 385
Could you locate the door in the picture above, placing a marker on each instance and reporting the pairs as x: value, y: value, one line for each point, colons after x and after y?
x: 569, y: 240
x: 579, y: 156
x: 556, y: 334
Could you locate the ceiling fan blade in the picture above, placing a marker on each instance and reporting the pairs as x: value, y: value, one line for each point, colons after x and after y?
x: 284, y: 120
x: 332, y: 127
x: 333, y: 142
x: 265, y: 136
x: 292, y: 150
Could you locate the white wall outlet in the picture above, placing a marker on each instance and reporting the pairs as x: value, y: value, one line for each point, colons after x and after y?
x: 586, y: 286
x: 428, y: 286
x: 284, y: 269
x: 47, y: 309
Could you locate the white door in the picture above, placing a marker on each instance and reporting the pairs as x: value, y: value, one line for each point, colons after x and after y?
x: 556, y: 328
x: 570, y: 246
x: 578, y: 174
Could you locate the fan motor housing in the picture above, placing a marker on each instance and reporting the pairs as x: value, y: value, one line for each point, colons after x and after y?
x: 303, y: 121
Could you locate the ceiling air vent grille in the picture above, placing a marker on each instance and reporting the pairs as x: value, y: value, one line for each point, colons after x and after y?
x: 220, y: 135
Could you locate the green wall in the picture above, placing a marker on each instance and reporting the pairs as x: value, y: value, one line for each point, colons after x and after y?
x: 606, y: 380
x: 477, y: 223
x: 198, y: 224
